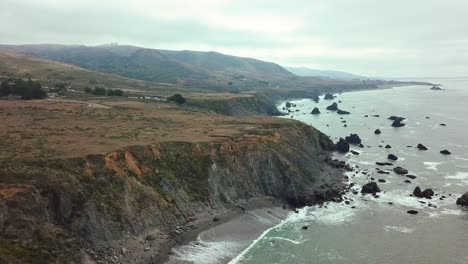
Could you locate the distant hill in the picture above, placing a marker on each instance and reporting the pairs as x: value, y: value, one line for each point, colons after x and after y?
x: 304, y: 71
x: 182, y: 67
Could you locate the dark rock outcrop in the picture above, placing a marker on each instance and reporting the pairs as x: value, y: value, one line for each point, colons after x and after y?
x: 288, y: 104
x: 333, y: 107
x: 413, y: 212
x: 398, y: 123
x: 428, y: 193
x: 421, y: 147
x: 370, y: 187
x: 342, y: 112
x: 388, y: 147
x: 396, y: 118
x: 329, y: 96
x: 445, y: 152
x: 315, y: 111
x: 463, y: 200
x: 353, y: 139
x: 392, y: 157
x: 377, y: 132
x: 436, y: 88
x: 383, y: 163
x: 417, y: 192
x: 400, y: 170
x: 342, y: 146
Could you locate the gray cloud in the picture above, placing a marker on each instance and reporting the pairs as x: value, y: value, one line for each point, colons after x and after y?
x: 370, y: 37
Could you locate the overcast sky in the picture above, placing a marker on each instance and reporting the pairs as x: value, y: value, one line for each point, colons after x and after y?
x: 388, y: 38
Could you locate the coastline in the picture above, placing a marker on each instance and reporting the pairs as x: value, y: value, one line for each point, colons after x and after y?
x: 234, y: 224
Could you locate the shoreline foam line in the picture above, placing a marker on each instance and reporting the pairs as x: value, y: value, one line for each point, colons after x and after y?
x: 290, y: 217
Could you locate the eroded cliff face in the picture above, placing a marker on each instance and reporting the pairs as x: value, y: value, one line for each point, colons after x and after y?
x: 50, y: 210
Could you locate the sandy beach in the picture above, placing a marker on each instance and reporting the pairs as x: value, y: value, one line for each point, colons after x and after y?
x: 219, y: 242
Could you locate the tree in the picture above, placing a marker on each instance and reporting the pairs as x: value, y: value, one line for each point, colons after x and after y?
x: 99, y: 91
x: 88, y: 90
x: 177, y: 98
x: 117, y: 92
x: 5, y: 88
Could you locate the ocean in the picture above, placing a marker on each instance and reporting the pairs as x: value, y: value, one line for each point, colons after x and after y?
x: 379, y: 229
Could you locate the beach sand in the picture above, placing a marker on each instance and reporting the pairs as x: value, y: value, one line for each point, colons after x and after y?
x: 219, y: 242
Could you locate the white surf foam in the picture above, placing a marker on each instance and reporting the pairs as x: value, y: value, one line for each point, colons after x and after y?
x: 207, y: 252
x: 452, y: 212
x: 399, y: 229
x: 432, y: 165
x: 461, y: 175
x: 292, y: 217
x: 295, y: 242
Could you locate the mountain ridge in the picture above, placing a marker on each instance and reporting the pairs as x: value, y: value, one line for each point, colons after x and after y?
x: 333, y: 74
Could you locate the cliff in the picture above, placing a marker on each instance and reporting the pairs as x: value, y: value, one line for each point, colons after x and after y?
x: 54, y: 211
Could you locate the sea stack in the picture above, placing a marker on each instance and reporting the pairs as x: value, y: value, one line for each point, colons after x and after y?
x: 342, y: 146
x: 370, y: 187
x: 333, y: 107
x: 463, y: 200
x: 353, y: 139
x: 421, y: 147
x: 400, y: 170
x: 377, y: 131
x: 445, y: 152
x: 329, y: 96
x: 315, y: 111
x: 342, y: 112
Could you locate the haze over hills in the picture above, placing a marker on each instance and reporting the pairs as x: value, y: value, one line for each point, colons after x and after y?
x: 183, y: 67
x: 304, y: 71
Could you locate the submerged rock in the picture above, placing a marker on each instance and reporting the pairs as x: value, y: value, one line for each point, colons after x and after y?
x: 370, y: 187
x: 377, y: 131
x: 315, y: 111
x: 333, y: 107
x: 445, y: 152
x: 342, y: 146
x: 353, y: 139
x: 396, y: 118
x: 392, y: 157
x: 383, y: 163
x: 436, y: 88
x: 398, y: 123
x: 463, y: 200
x: 400, y: 170
x: 342, y: 112
x: 388, y: 147
x: 421, y: 147
x: 410, y: 176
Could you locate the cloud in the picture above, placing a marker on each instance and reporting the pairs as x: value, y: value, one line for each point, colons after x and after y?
x: 376, y: 38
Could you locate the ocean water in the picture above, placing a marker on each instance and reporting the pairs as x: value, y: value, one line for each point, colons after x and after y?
x: 379, y: 230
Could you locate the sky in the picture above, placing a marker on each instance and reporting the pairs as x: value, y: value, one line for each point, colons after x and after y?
x: 377, y: 38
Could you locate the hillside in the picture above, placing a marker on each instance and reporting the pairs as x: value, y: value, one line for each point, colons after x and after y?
x: 182, y: 67
x: 304, y: 71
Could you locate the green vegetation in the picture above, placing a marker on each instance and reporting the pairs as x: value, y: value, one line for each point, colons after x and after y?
x: 177, y: 98
x: 103, y: 91
x: 26, y: 89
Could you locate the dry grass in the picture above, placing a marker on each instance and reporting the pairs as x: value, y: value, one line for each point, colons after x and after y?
x: 66, y: 128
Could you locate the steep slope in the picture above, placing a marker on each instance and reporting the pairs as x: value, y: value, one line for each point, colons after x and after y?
x: 51, y: 211
x: 157, y: 65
